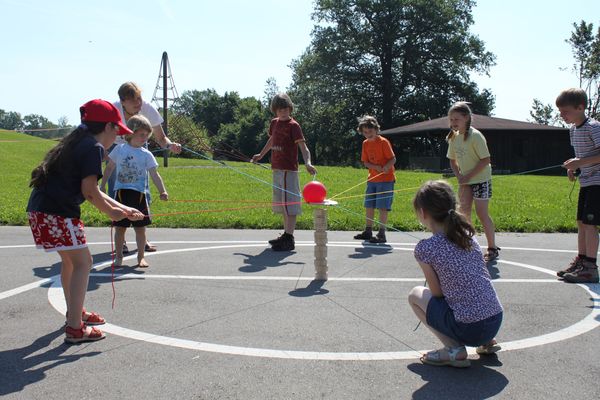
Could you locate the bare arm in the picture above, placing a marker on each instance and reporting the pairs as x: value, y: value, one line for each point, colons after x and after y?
x: 455, y: 168
x: 306, y: 156
x: 388, y: 165
x: 160, y: 185
x: 164, y: 141
x: 574, y: 163
x: 115, y: 210
x: 477, y: 169
x: 264, y: 151
x: 108, y: 171
x: 432, y: 279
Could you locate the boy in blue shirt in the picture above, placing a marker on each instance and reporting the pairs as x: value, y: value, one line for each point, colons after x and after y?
x: 133, y: 163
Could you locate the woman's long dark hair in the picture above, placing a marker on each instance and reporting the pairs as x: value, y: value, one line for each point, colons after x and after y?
x: 53, y: 158
x: 437, y: 199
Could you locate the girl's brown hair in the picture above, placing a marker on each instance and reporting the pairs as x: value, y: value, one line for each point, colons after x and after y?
x: 437, y: 199
x: 461, y: 107
x: 53, y: 159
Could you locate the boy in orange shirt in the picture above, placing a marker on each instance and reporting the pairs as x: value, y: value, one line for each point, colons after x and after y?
x: 378, y: 157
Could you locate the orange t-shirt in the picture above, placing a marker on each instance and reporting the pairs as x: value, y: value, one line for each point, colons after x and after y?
x: 379, y: 152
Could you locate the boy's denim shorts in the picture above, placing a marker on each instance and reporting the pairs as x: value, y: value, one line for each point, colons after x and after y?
x: 381, y: 200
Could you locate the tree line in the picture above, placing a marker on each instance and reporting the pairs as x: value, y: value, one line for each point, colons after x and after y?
x: 403, y: 61
x: 34, y: 124
x: 585, y: 47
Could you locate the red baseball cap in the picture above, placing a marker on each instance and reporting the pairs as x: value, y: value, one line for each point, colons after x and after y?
x: 103, y: 111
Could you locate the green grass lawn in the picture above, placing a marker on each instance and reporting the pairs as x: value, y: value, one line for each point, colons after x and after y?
x: 520, y: 203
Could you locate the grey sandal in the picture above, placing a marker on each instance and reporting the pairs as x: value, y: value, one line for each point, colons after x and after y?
x: 435, y: 357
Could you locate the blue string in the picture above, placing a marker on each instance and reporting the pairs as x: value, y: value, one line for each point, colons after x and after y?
x: 241, y: 172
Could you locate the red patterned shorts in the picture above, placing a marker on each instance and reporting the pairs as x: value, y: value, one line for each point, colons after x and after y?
x: 56, y: 233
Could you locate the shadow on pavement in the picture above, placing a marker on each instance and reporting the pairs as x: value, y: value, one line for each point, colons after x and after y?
x: 492, y: 267
x: 94, y: 282
x: 314, y: 288
x: 477, y: 382
x: 267, y: 258
x: 28, y: 365
x: 371, y: 250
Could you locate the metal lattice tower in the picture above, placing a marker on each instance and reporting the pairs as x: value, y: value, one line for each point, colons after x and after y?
x: 176, y: 125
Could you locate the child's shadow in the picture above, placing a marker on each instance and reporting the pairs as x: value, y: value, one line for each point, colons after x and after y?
x: 94, y: 282
x: 22, y: 368
x: 371, y: 250
x: 314, y: 288
x: 492, y: 267
x: 265, y: 259
x: 476, y: 382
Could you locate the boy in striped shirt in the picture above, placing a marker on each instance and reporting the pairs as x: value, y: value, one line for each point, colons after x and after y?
x: 585, y: 139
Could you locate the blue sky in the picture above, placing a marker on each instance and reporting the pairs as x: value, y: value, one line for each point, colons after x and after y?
x: 57, y: 55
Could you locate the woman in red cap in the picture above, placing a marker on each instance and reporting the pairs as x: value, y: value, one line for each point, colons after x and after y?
x: 67, y: 177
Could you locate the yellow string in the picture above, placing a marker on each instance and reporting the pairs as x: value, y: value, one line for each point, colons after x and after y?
x: 363, y: 182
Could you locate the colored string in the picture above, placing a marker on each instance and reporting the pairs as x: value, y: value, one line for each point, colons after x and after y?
x: 235, y: 201
x: 242, y: 172
x: 112, y: 266
x: 361, y: 183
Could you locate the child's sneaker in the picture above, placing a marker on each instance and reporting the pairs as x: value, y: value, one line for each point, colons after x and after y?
x: 380, y: 238
x: 574, y: 266
x: 587, y: 273
x: 491, y: 254
x: 274, y: 241
x: 364, y: 235
x: 286, y: 243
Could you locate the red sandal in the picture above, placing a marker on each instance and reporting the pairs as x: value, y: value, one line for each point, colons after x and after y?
x: 91, y: 319
x: 82, y: 335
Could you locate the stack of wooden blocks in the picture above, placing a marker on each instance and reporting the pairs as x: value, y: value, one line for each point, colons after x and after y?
x: 320, y: 226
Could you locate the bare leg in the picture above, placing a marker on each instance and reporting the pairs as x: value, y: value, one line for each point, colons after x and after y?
x: 581, y: 238
x: 481, y: 209
x: 465, y: 198
x: 370, y: 217
x: 119, y: 240
x: 383, y: 217
x: 81, y: 260
x: 591, y: 240
x: 418, y: 299
x: 66, y: 272
x: 289, y: 223
x: 140, y: 239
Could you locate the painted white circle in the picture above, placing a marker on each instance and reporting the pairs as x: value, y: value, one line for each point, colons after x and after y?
x: 591, y: 321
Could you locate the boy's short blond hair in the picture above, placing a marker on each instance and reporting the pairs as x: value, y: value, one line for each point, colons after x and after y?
x: 138, y: 122
x: 572, y: 97
x: 368, y: 121
x: 281, y: 100
x: 129, y: 90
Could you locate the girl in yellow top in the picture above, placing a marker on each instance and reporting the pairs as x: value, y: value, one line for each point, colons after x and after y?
x: 470, y: 161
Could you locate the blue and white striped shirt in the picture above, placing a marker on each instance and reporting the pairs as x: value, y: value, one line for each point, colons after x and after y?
x: 585, y: 140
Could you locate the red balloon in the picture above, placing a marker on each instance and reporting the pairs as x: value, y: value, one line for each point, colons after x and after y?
x: 314, y: 192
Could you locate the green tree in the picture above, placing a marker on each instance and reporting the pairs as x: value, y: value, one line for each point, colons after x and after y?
x: 586, y: 52
x: 208, y: 109
x: 545, y: 114
x: 271, y: 89
x: 235, y: 126
x: 10, y: 120
x: 400, y: 60
x: 36, y: 121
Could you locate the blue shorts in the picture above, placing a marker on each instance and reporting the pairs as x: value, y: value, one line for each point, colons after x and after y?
x: 441, y: 318
x: 381, y: 200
